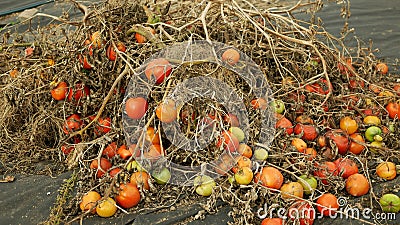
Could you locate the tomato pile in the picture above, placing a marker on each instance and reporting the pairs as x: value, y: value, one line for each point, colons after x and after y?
x: 336, y: 117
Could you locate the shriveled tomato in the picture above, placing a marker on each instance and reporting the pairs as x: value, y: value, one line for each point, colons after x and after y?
x: 105, y: 165
x: 348, y: 125
x: 244, y: 176
x: 272, y: 221
x: 309, y: 132
x: 270, y: 177
x: 241, y: 161
x: 393, y: 109
x: 80, y: 91
x: 340, y: 139
x: 89, y: 201
x: 259, y: 103
x: 356, y: 148
x: 292, y: 190
x: 158, y: 69
x: 382, y: 68
x: 322, y: 87
x: 72, y: 123
x: 372, y: 120
x: 303, y: 212
x: 140, y: 178
x: 110, y: 150
x: 106, y: 208
x: 128, y: 195
x: 325, y: 170
x: 60, y: 91
x: 328, y: 204
x: 166, y: 112
x: 136, y: 107
x: 231, y: 56
x: 390, y: 203
x: 357, y: 185
x: 299, y: 144
x: 386, y: 170
x: 346, y: 167
x: 285, y: 124
x: 356, y: 83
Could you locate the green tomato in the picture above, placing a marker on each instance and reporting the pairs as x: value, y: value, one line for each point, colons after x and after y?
x: 309, y: 183
x: 161, y: 176
x: 238, y: 133
x: 260, y: 154
x: 204, y: 185
x: 372, y: 132
x: 278, y: 105
x: 390, y: 203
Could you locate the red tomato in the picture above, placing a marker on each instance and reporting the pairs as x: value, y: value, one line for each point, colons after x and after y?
x: 393, y: 110
x: 322, y: 87
x: 128, y: 195
x: 103, y: 127
x: 353, y: 83
x: 303, y: 212
x: 136, y: 107
x: 346, y: 167
x: 309, y: 131
x: 340, y: 139
x: 343, y: 69
x: 66, y: 148
x: 259, y: 103
x: 110, y: 150
x: 158, y: 69
x: 123, y: 152
x: 72, y: 123
x: 329, y: 204
x: 285, y: 124
x: 102, y: 169
x: 84, y: 61
x: 325, y: 170
x: 348, y: 125
x: 60, y: 92
x: 112, y: 54
x: 229, y: 141
x: 80, y: 91
x: 357, y: 185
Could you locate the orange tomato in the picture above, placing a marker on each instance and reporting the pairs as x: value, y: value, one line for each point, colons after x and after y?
x: 259, y: 103
x: 136, y: 107
x: 114, y: 172
x: 382, y: 68
x: 386, y: 170
x: 60, y: 91
x: 245, y: 150
x: 328, y: 204
x: 140, y: 178
x: 348, y: 125
x: 151, y: 136
x: 321, y: 140
x: 292, y: 190
x: 89, y: 201
x: 128, y: 195
x: 158, y: 69
x: 124, y: 153
x: 96, y: 39
x: 304, y: 119
x: 393, y: 109
x: 299, y: 144
x: 14, y: 73
x: 356, y: 148
x: 231, y: 56
x: 241, y: 162
x: 343, y: 69
x: 272, y: 221
x: 270, y: 177
x: 228, y: 141
x: 112, y: 54
x: 357, y: 185
x: 166, y: 112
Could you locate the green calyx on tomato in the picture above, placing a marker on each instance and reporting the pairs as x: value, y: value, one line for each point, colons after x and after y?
x: 390, y: 203
x: 373, y: 134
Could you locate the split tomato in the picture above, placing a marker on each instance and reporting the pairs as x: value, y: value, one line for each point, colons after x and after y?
x: 346, y: 167
x: 340, y: 139
x: 141, y: 179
